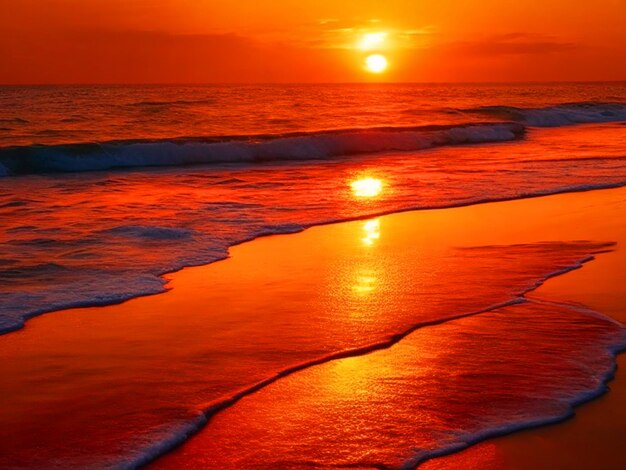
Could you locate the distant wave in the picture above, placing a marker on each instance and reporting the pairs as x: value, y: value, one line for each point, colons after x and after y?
x: 35, y: 159
x: 173, y: 103
x: 245, y: 149
x: 555, y: 116
x: 13, y: 121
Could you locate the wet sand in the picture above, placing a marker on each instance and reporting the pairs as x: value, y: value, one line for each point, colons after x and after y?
x: 595, y: 437
x: 96, y: 377
x: 594, y: 442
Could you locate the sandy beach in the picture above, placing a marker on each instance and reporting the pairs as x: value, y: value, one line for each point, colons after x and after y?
x: 152, y: 364
x: 593, y: 436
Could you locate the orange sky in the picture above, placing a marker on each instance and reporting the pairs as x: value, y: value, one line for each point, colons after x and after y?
x: 168, y: 41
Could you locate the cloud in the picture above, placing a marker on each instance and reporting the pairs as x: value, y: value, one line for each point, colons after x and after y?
x: 346, y: 34
x: 515, y: 43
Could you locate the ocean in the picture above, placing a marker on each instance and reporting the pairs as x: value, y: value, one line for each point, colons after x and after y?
x: 211, y: 166
x: 104, y: 189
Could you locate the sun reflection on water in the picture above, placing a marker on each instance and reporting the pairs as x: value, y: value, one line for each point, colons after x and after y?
x: 367, y: 187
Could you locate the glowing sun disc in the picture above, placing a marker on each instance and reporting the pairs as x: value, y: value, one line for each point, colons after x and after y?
x: 376, y: 63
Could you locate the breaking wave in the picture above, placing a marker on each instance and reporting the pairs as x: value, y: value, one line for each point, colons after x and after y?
x: 240, y: 149
x: 70, y: 158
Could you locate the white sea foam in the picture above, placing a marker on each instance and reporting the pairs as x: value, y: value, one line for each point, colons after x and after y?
x: 142, y: 232
x: 528, y: 420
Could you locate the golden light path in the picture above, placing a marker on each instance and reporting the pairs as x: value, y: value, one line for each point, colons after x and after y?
x: 372, y: 232
x: 367, y: 187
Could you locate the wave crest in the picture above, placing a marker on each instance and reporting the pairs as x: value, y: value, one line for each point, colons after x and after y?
x: 291, y: 147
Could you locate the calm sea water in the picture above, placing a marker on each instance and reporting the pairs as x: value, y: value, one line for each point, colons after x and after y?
x: 104, y: 189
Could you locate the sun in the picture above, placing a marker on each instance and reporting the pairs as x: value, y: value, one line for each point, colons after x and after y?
x: 376, y: 63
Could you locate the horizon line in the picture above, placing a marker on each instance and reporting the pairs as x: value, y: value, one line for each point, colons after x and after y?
x: 516, y: 82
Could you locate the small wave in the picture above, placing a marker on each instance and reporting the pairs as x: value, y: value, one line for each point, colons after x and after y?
x: 173, y: 103
x: 14, y: 121
x: 49, y: 132
x: 43, y: 268
x: 72, y: 119
x: 287, y: 147
x: 143, y: 232
x: 229, y: 181
x: 109, y: 289
x: 556, y: 116
x: 17, y: 203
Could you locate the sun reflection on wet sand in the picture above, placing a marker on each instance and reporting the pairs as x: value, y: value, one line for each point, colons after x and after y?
x: 365, y: 282
x: 366, y: 273
x: 372, y: 232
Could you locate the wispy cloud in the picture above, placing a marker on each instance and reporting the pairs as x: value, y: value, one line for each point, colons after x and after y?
x: 515, y: 43
x: 330, y: 33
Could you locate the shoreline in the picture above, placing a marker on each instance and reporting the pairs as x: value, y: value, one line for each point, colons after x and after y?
x: 163, y: 276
